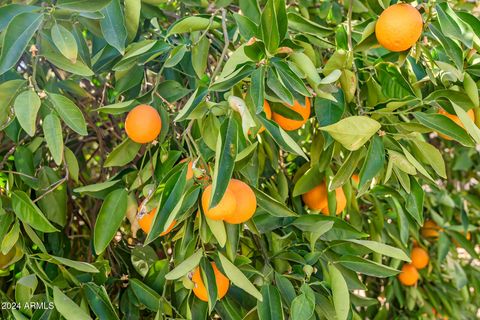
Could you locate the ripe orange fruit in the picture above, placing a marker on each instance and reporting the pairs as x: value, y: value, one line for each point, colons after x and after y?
x: 268, y: 114
x: 430, y: 229
x: 419, y: 258
x: 143, y: 124
x: 317, y: 199
x: 223, y: 209
x: 409, y: 275
x: 455, y: 119
x: 146, y: 223
x: 221, y: 281
x: 399, y: 27
x: 289, y: 124
x: 246, y: 202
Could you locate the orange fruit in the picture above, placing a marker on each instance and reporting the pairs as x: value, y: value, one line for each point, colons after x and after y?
x: 268, y: 114
x: 224, y: 208
x: 399, y: 27
x: 143, y: 124
x: 221, y: 281
x: 317, y: 199
x: 419, y: 258
x: 246, y: 202
x: 190, y: 168
x: 455, y: 119
x: 409, y: 275
x: 430, y: 229
x: 146, y: 223
x: 289, y: 124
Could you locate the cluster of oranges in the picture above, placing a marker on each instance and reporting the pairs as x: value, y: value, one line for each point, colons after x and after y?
x: 237, y: 205
x: 409, y: 275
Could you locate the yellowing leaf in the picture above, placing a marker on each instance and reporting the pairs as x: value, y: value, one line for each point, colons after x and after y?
x: 353, y: 132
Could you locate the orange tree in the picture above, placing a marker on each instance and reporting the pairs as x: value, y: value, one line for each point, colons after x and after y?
x: 239, y: 159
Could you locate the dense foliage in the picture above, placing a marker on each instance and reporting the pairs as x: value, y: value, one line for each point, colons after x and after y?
x: 387, y: 139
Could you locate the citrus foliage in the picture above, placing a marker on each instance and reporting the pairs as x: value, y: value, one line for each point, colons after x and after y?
x: 240, y: 159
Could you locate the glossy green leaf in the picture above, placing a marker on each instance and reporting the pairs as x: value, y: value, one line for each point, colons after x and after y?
x: 67, y: 308
x: 65, y: 42
x: 109, y: 219
x: 341, y: 296
x: 26, y: 108
x: 29, y: 213
x: 16, y: 37
x: 69, y: 113
x: 238, y: 278
x: 270, y: 306
x: 52, y: 131
x: 122, y: 154
x: 113, y: 25
x: 185, y: 266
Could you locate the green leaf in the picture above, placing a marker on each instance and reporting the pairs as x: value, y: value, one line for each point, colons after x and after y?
x: 191, y: 104
x: 69, y: 113
x: 10, y: 239
x: 29, y: 213
x: 24, y: 164
x: 117, y: 108
x: 191, y: 24
x: 170, y: 203
x: 270, y: 306
x: 218, y: 230
x: 383, y: 249
x: 113, y: 25
x: 186, y: 266
x: 238, y: 278
x: 353, y: 132
x: 63, y: 63
x: 54, y: 203
x: 16, y: 37
x: 146, y: 295
x: 468, y: 123
x: 272, y: 206
x: 109, y: 219
x: 200, y: 56
x: 401, y: 162
x: 52, y: 131
x: 303, y: 305
x: 65, y: 42
x: 9, y: 11
x: 282, y: 138
x: 77, y: 265
x: 99, y: 301
x: 270, y: 27
x: 122, y: 154
x: 367, y: 267
x: 432, y: 155
x: 341, y: 296
x: 416, y: 164
x: 132, y: 17
x: 72, y: 164
x: 414, y: 201
x: 346, y: 170
x: 67, y: 308
x: 83, y: 5
x: 26, y: 108
x: 226, y: 152
x: 299, y: 23
x: 374, y: 161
